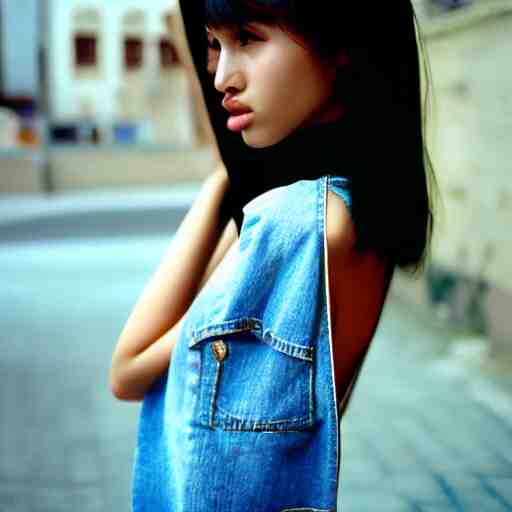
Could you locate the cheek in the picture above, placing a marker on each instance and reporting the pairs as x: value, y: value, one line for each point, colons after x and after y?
x: 299, y: 84
x: 287, y: 67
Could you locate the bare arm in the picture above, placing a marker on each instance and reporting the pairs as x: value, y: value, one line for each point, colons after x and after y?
x: 143, y: 369
x: 144, y: 347
x: 229, y: 236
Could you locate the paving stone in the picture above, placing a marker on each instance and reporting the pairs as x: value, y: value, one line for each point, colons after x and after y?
x: 369, y: 501
x: 500, y: 489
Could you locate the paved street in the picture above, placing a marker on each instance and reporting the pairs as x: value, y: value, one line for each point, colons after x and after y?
x: 425, y: 432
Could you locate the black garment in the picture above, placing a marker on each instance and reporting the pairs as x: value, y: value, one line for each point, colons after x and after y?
x: 308, y: 153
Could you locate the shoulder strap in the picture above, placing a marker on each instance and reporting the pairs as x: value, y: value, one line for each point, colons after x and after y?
x: 340, y: 185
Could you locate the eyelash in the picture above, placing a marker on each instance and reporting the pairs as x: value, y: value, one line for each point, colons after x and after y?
x: 249, y: 36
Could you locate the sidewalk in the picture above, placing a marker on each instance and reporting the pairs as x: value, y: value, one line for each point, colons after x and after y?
x: 429, y: 428
x: 20, y: 208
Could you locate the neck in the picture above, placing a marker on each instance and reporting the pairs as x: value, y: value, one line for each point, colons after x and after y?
x: 317, y: 148
x: 308, y: 153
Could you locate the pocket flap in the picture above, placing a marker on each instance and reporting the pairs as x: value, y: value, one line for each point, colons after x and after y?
x: 225, y: 327
x: 254, y: 325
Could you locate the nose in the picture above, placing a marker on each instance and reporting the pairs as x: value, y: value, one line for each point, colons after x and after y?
x: 228, y: 74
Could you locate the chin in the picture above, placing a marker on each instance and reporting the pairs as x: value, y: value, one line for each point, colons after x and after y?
x: 261, y: 140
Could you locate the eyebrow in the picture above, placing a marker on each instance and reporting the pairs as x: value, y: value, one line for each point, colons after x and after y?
x: 249, y: 25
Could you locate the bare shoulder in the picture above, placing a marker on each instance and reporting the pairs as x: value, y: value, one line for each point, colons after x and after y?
x: 340, y: 229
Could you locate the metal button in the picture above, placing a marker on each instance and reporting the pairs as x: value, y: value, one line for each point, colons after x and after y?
x: 220, y: 350
x: 255, y: 324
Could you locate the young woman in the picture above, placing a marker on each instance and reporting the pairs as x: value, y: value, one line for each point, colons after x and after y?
x: 246, y: 343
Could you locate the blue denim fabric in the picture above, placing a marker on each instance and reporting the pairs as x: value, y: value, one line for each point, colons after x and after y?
x: 245, y: 419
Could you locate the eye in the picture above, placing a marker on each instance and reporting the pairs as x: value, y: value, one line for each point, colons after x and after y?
x: 244, y: 36
x: 213, y: 44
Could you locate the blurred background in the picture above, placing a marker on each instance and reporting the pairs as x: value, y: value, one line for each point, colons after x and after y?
x: 103, y: 147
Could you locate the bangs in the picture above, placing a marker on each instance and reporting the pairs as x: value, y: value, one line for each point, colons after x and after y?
x: 236, y: 13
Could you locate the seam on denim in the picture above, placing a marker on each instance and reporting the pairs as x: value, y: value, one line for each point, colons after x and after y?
x: 264, y: 429
x: 307, y: 509
x: 229, y: 422
x: 255, y: 325
x: 311, y: 395
x: 294, y: 419
x: 245, y: 323
x: 213, y: 395
x: 319, y: 206
x: 325, y: 263
x: 289, y: 343
x: 286, y: 347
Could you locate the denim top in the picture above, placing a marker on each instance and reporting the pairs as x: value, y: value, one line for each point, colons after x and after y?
x: 245, y: 418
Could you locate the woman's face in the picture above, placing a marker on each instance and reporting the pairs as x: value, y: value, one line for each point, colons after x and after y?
x: 271, y: 83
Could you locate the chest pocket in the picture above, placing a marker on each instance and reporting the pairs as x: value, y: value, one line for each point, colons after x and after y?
x: 251, y: 380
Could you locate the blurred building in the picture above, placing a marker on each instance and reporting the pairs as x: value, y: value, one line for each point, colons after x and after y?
x: 20, y: 85
x: 113, y: 67
x: 19, y: 22
x: 93, y: 94
x: 469, y: 127
x: 21, y: 91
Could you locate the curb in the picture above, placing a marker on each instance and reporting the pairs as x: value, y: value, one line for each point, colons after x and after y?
x: 20, y: 209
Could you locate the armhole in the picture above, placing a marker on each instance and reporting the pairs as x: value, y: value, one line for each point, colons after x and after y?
x: 340, y: 185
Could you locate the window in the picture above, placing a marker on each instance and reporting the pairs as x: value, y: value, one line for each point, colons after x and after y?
x: 133, y: 56
x: 85, y: 50
x: 168, y: 54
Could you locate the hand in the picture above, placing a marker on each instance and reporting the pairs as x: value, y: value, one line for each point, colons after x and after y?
x: 218, y: 184
x: 221, y: 174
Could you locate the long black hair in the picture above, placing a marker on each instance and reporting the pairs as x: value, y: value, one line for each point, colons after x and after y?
x: 391, y: 173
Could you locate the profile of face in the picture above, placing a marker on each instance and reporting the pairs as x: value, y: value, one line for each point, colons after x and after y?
x: 273, y: 83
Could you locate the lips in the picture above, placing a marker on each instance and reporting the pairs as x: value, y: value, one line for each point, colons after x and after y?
x: 241, y: 115
x: 239, y: 111
x: 235, y: 107
x: 237, y: 123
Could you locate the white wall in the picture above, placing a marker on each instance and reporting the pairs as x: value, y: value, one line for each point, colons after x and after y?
x: 19, y: 33
x: 65, y: 90
x: 471, y: 146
